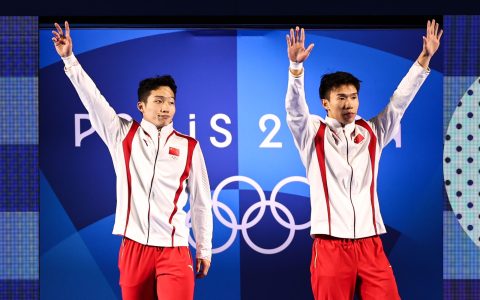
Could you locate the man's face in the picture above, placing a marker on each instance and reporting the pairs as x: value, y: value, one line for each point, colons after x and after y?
x: 160, y: 106
x: 342, y: 104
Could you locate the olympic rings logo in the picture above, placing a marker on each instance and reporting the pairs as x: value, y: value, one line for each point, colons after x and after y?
x: 261, y: 205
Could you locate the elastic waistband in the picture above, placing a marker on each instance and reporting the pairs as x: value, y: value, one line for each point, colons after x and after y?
x: 128, y: 240
x: 333, y: 238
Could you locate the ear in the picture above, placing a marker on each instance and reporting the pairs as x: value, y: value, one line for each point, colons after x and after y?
x: 140, y: 106
x: 326, y: 104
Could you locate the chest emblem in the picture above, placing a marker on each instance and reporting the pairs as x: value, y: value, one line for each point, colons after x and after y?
x: 359, y: 138
x: 173, y: 151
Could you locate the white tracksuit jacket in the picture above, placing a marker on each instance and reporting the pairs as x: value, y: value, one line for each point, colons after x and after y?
x: 342, y: 162
x: 155, y: 170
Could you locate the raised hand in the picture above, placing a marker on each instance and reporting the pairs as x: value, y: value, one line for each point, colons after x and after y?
x: 63, y: 42
x: 296, y: 45
x: 431, y: 40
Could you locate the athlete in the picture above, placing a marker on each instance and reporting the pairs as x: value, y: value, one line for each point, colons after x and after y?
x: 341, y: 156
x: 157, y: 170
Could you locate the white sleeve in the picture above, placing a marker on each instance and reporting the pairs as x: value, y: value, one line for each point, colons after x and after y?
x: 109, y: 126
x: 200, y: 204
x: 298, y: 115
x: 386, y: 124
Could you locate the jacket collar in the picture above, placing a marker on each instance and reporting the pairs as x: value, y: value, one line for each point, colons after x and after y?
x: 337, y: 127
x: 152, y: 130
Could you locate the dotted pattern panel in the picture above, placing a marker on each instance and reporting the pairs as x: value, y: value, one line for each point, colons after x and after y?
x: 18, y: 46
x: 19, y: 197
x: 19, y: 255
x: 462, y: 162
x: 461, y: 255
x: 19, y: 289
x: 461, y: 251
x: 461, y: 289
x: 461, y: 45
x: 19, y: 190
x: 19, y: 110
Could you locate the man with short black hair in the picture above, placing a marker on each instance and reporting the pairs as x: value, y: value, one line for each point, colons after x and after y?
x: 341, y: 156
x: 156, y: 167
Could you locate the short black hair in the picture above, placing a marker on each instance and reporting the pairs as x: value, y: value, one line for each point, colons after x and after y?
x: 334, y: 80
x: 149, y: 84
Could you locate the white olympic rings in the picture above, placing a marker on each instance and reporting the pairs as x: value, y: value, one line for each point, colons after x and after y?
x: 261, y: 205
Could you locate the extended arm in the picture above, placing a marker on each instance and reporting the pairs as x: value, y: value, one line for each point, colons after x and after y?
x: 103, y: 117
x: 295, y: 102
x: 387, y: 122
x: 201, y: 211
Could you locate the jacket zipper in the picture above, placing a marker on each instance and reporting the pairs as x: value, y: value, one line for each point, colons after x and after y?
x: 151, y: 185
x: 351, y: 179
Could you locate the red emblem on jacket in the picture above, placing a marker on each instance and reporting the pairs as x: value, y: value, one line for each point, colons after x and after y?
x: 358, y: 138
x: 173, y: 151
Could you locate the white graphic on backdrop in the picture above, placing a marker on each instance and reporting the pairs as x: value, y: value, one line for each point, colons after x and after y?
x: 261, y: 205
x: 266, y: 143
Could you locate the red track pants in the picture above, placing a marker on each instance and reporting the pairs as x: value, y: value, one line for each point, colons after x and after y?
x: 339, y: 266
x: 149, y: 272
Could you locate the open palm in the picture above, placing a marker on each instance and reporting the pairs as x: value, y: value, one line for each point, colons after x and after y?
x: 296, y: 45
x: 431, y: 40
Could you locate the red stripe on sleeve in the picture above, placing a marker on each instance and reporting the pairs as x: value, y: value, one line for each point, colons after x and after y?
x: 372, y: 149
x: 127, y: 151
x: 191, y: 146
x: 320, y: 147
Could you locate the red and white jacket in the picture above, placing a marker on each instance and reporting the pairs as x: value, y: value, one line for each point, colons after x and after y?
x: 156, y: 170
x: 342, y: 161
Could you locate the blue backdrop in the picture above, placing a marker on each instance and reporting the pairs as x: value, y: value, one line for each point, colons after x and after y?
x: 232, y: 85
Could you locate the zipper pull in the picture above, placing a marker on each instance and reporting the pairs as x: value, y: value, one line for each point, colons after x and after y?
x: 158, y: 137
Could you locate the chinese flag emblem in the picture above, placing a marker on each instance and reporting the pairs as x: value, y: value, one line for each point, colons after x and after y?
x: 358, y: 138
x: 174, y: 151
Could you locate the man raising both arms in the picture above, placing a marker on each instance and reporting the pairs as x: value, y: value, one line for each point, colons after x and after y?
x: 341, y: 156
x: 156, y: 169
